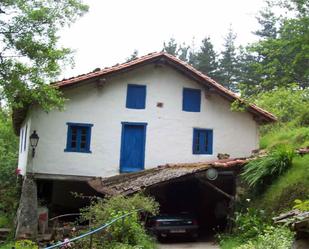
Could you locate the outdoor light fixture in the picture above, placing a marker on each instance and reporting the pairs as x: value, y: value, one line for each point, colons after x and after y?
x: 34, y: 139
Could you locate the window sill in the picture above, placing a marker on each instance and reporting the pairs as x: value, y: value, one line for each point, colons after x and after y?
x: 191, y: 110
x: 196, y: 153
x: 68, y: 150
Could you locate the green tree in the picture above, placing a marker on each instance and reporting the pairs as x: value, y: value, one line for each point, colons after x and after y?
x: 171, y: 47
x: 280, y: 58
x: 8, y: 164
x: 133, y: 56
x: 287, y: 104
x: 268, y: 22
x: 228, y: 63
x: 206, y: 59
x: 183, y: 52
x: 29, y: 55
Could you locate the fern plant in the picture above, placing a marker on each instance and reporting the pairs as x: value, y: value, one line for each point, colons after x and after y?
x: 259, y: 173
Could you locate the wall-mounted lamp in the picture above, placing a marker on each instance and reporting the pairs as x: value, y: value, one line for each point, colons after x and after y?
x: 34, y: 139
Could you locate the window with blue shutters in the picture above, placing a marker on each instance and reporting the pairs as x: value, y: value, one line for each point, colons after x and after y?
x: 136, y: 96
x: 191, y: 100
x: 202, y: 141
x: 78, y: 137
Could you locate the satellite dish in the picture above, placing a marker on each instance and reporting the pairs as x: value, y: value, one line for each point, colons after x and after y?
x: 212, y: 174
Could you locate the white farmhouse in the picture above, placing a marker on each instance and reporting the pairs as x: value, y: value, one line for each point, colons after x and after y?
x: 151, y: 111
x: 138, y: 115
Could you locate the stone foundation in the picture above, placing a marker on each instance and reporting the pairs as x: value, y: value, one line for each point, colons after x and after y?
x: 27, y: 213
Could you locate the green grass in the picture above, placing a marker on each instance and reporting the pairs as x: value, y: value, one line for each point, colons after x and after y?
x: 294, y: 184
x: 230, y: 243
x: 8, y: 245
x: 294, y: 136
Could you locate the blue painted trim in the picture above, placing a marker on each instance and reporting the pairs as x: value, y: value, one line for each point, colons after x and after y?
x: 191, y: 100
x: 134, y: 123
x: 122, y: 170
x: 80, y: 124
x: 204, y: 135
x: 78, y: 137
x: 136, y: 96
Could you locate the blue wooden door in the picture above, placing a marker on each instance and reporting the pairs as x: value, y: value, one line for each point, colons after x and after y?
x: 132, y: 156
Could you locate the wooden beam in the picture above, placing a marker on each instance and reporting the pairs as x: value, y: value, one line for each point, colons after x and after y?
x: 232, y: 198
x: 62, y: 177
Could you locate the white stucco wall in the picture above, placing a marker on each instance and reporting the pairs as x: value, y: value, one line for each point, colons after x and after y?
x: 169, y: 131
x: 24, y: 146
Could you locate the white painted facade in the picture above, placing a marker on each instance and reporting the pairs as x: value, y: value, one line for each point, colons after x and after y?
x: 169, y: 134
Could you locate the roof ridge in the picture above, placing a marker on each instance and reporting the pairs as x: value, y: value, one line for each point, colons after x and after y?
x: 103, y: 70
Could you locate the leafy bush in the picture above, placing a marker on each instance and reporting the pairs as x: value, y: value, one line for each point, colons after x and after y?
x: 301, y: 205
x: 125, y: 233
x: 249, y: 224
x: 272, y: 238
x: 287, y: 104
x: 4, y: 221
x: 20, y: 244
x: 303, y: 120
x: 261, y: 172
x: 9, y: 186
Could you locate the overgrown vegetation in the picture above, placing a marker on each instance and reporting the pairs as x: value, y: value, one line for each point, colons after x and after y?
x: 285, y: 134
x: 21, y: 244
x: 260, y: 173
x: 292, y: 185
x: 123, y: 234
x: 271, y: 238
x: 301, y: 205
x: 253, y: 230
x: 9, y: 186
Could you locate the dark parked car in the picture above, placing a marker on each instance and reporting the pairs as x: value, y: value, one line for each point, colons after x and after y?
x: 168, y: 225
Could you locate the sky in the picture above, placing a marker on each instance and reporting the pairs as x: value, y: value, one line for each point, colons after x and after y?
x: 113, y: 29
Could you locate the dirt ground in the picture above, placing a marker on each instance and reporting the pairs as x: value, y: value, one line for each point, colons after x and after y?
x: 183, y: 245
x: 200, y: 244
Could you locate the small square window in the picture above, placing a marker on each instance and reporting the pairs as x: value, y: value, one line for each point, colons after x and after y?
x: 136, y: 96
x: 78, y: 137
x: 191, y: 100
x: 202, y: 141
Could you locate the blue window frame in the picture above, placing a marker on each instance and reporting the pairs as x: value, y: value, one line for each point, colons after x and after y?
x: 191, y: 100
x: 202, y: 141
x: 136, y: 96
x: 78, y: 137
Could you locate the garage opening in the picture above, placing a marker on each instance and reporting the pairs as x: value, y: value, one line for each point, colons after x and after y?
x: 64, y: 197
x: 194, y: 196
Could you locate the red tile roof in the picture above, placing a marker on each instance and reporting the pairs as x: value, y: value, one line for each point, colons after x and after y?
x: 172, y: 60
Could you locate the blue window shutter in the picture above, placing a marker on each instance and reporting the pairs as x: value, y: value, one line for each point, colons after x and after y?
x: 77, y: 141
x: 195, y: 142
x: 209, y: 141
x: 136, y: 96
x: 191, y: 100
x: 202, y: 141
